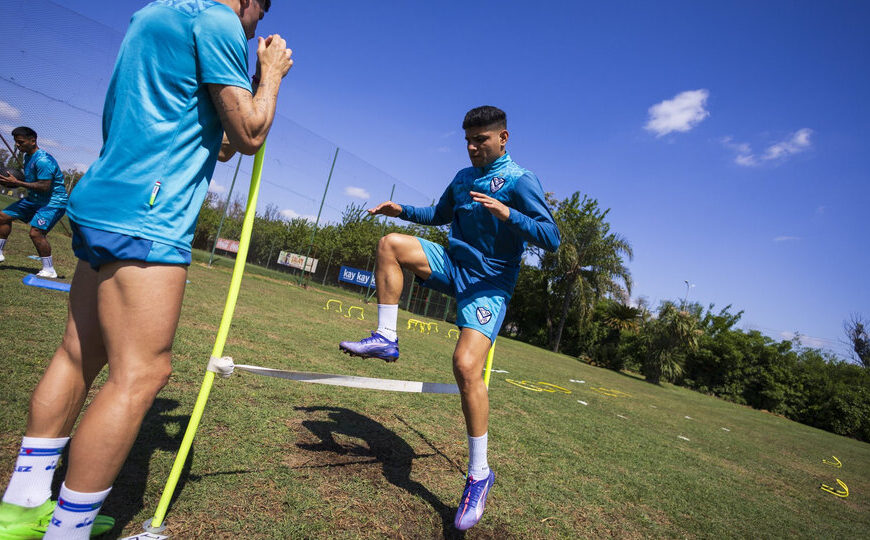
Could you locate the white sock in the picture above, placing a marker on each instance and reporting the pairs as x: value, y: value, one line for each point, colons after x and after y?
x: 74, y: 514
x: 47, y: 263
x: 478, y: 468
x: 30, y: 484
x: 388, y: 314
x: 2, y: 243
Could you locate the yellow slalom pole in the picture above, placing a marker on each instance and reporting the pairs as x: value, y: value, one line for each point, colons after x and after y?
x: 488, y: 370
x: 217, y: 351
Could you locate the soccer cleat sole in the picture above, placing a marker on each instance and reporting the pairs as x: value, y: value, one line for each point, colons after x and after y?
x: 351, y: 353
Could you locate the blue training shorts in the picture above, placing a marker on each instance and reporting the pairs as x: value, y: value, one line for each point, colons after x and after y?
x: 97, y: 247
x: 42, y: 217
x: 480, y: 306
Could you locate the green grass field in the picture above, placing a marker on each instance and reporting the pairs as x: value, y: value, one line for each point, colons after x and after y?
x: 282, y: 459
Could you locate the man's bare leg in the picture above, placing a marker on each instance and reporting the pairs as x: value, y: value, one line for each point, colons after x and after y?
x: 57, y: 401
x: 5, y: 229
x: 40, y: 242
x: 468, y: 360
x: 395, y: 252
x: 60, y: 394
x: 139, y: 305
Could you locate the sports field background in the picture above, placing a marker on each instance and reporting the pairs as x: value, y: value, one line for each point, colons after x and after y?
x: 281, y: 459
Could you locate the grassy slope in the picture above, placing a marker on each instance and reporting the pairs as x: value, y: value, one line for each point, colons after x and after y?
x: 279, y: 459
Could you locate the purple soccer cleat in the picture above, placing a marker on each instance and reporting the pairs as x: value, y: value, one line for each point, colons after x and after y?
x: 473, y: 501
x: 376, y: 346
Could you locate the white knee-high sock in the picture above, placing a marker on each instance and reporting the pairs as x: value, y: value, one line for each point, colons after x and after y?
x: 388, y: 315
x: 47, y: 263
x: 74, y: 514
x: 478, y: 468
x: 30, y: 484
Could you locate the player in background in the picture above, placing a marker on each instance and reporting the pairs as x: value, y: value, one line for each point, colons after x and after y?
x: 46, y: 198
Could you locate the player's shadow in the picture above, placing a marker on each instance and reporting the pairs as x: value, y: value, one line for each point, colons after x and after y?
x: 23, y: 269
x: 160, y: 431
x: 382, y: 446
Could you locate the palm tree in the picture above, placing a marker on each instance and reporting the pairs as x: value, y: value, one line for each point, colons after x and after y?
x: 590, y: 262
x: 667, y: 336
x: 618, y: 317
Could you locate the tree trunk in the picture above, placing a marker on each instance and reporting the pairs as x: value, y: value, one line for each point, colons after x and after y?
x: 566, y: 304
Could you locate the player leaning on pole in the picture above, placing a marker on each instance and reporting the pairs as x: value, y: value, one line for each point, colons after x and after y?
x: 46, y: 198
x: 493, y: 207
x: 180, y: 82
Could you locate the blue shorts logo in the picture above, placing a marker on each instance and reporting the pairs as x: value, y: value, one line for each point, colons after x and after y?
x: 496, y: 184
x: 483, y: 315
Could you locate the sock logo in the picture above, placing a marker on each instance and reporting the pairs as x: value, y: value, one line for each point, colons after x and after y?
x: 55, y: 522
x: 24, y: 468
x: 85, y: 523
x: 483, y: 315
x: 496, y: 184
x: 51, y: 467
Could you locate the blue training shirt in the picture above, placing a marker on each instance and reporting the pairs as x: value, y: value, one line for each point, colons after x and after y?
x: 159, y: 123
x: 479, y: 241
x: 42, y: 166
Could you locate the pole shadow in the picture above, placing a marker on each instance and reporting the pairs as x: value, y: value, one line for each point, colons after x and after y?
x: 384, y: 446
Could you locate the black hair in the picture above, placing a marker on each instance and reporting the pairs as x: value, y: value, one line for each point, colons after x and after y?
x: 485, y: 116
x: 24, y: 131
x: 267, y: 4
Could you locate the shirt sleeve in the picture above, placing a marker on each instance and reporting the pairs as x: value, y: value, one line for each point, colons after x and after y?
x: 45, y: 169
x: 530, y: 217
x: 440, y: 214
x: 221, y: 48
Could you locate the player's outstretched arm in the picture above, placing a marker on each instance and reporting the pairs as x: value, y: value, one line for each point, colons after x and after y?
x: 388, y: 208
x: 247, y: 118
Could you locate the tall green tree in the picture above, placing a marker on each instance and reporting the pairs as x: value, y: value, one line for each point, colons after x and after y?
x: 589, y: 264
x: 668, y: 337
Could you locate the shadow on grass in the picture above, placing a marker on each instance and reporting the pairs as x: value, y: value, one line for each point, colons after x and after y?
x: 383, y: 446
x: 23, y: 269
x: 128, y: 492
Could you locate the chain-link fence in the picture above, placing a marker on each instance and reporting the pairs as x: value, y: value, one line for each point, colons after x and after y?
x: 313, y: 193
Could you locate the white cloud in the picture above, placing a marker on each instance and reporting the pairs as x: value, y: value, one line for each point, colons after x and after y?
x: 357, y: 192
x: 8, y: 111
x: 786, y: 238
x: 51, y: 143
x: 797, y: 142
x: 289, y: 213
x: 216, y: 188
x: 682, y: 113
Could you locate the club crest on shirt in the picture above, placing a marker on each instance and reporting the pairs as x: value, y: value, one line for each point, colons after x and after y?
x: 496, y: 184
x: 41, y: 221
x: 483, y: 314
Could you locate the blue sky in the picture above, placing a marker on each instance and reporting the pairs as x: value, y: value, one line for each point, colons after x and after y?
x: 728, y: 139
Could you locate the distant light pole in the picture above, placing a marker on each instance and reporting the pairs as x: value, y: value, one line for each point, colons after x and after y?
x: 688, y: 286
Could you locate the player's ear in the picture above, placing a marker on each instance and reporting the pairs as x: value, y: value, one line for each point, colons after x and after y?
x: 503, y: 137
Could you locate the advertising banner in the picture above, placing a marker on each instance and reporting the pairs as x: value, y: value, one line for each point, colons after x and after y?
x: 228, y: 245
x: 356, y: 276
x: 297, y: 261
